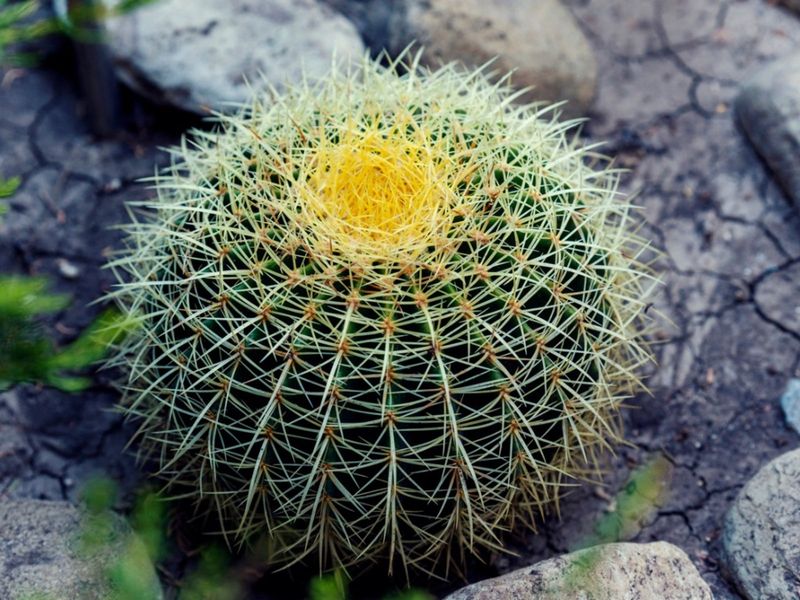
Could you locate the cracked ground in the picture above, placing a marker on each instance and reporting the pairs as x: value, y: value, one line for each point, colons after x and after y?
x: 727, y: 315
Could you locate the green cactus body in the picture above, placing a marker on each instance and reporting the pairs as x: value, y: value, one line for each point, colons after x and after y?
x: 383, y: 316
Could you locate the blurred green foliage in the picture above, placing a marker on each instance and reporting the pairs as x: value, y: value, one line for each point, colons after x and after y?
x: 215, y: 576
x: 7, y: 189
x: 127, y: 575
x: 130, y: 574
x: 21, y: 23
x: 18, y: 26
x: 412, y: 594
x: 27, y: 355
x: 644, y: 491
x: 9, y: 186
x: 329, y: 587
x: 334, y: 586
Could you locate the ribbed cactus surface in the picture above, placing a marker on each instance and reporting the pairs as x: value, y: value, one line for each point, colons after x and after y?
x: 382, y: 316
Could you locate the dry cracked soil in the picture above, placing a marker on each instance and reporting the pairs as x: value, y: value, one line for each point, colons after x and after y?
x: 727, y: 314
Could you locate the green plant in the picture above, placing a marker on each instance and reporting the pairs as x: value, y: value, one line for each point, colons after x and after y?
x: 334, y: 586
x: 26, y: 355
x: 382, y: 316
x: 642, y: 494
x: 8, y: 188
x: 129, y: 573
x: 18, y: 25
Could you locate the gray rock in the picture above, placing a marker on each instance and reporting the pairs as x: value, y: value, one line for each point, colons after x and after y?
x: 203, y: 56
x: 42, y: 555
x: 791, y: 4
x: 371, y: 18
x: 657, y: 571
x: 539, y: 40
x: 790, y: 402
x: 761, y: 538
x: 768, y: 108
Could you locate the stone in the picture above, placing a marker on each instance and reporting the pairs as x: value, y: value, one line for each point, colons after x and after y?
x: 791, y: 4
x: 768, y: 108
x: 539, y: 41
x: 206, y: 56
x: 790, y: 402
x: 371, y: 18
x: 624, y: 571
x: 67, y: 269
x: 42, y: 554
x: 761, y: 537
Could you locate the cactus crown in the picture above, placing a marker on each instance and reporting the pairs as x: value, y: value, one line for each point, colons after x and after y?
x: 385, y: 315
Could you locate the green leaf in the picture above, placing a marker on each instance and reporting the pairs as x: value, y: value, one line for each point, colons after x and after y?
x: 99, y: 494
x: 26, y: 355
x: 329, y: 587
x: 8, y: 187
x: 15, y: 28
x: 126, y: 6
x: 212, y: 579
x: 412, y: 594
x: 68, y: 384
x: 149, y: 520
x: 93, y: 343
x: 26, y: 297
x: 13, y: 14
x: 130, y: 576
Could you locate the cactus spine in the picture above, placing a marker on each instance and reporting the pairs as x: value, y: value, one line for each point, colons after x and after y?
x: 383, y: 316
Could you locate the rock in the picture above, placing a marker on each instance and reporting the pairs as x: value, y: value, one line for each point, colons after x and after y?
x: 539, y: 40
x: 657, y: 571
x: 371, y: 18
x: 791, y: 4
x: 67, y: 269
x: 761, y: 536
x: 42, y: 554
x: 204, y: 57
x: 768, y: 108
x: 790, y: 402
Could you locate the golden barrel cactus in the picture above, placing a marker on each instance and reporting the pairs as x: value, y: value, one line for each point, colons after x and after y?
x: 383, y: 316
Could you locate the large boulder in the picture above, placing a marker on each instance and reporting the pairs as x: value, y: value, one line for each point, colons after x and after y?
x: 48, y: 550
x: 539, y: 41
x: 761, y: 539
x: 204, y: 54
x: 657, y: 571
x: 768, y: 108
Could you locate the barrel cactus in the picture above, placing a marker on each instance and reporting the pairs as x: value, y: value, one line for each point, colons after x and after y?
x: 384, y: 316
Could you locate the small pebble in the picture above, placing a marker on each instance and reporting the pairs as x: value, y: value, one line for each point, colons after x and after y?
x: 67, y: 269
x: 113, y: 185
x: 790, y: 402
